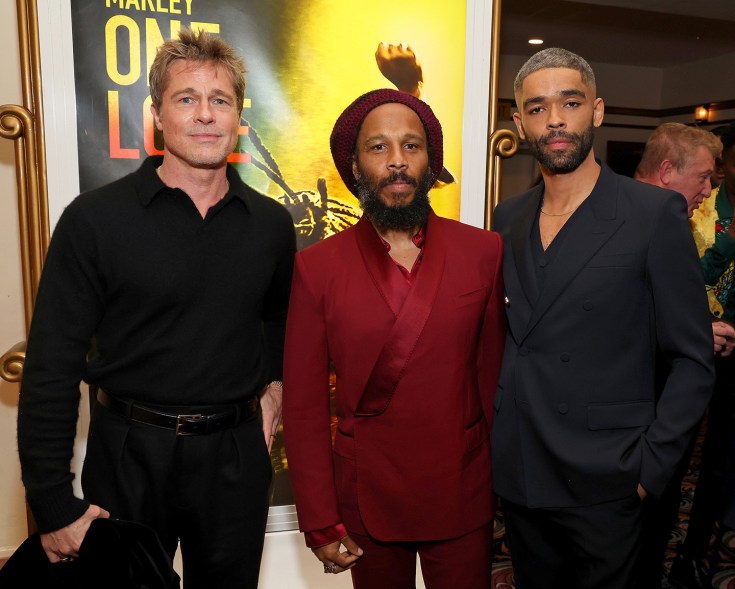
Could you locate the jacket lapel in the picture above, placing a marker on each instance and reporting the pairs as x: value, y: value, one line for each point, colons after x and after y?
x: 520, y: 237
x: 379, y: 265
x: 596, y: 223
x: 410, y: 321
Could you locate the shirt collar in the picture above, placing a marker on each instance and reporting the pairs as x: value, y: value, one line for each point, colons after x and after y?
x: 418, y: 240
x: 151, y: 184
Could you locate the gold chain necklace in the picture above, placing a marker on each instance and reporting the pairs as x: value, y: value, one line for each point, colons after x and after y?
x: 543, y: 212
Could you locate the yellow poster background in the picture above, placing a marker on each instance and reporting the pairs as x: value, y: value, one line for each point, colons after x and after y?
x: 330, y: 59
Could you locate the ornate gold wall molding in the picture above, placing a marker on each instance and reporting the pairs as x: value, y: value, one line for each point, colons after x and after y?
x: 16, y: 123
x: 24, y: 125
x: 11, y: 364
x: 502, y: 143
x: 30, y: 68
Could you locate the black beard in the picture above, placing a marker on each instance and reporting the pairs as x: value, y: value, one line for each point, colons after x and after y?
x: 384, y: 216
x: 561, y: 163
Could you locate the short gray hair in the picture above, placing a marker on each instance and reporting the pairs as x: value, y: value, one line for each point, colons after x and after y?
x: 555, y: 57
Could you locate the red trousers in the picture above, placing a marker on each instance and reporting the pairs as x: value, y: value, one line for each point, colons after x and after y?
x: 463, y: 562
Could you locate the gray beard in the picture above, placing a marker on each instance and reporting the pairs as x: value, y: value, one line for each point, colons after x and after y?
x: 384, y: 216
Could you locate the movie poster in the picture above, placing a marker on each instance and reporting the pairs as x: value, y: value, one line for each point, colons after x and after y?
x: 306, y: 61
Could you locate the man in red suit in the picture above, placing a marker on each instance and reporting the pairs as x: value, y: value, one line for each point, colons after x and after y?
x: 407, y: 306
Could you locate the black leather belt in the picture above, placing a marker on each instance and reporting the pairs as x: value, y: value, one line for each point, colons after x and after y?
x: 191, y: 424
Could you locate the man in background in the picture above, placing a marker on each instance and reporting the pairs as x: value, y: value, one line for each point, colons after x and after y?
x: 714, y: 233
x: 582, y: 433
x: 407, y: 308
x: 680, y: 158
x: 166, y: 290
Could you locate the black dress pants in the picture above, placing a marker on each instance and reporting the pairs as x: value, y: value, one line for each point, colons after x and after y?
x: 589, y: 547
x: 660, y: 515
x: 713, y: 496
x: 208, y: 492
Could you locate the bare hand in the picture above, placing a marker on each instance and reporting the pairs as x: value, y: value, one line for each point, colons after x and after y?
x: 401, y: 67
x: 271, y: 401
x: 335, y: 561
x: 642, y: 493
x: 63, y: 545
x: 724, y: 336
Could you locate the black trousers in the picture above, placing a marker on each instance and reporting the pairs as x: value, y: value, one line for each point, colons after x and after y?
x: 208, y: 492
x: 713, y: 496
x: 590, y: 547
x: 660, y: 515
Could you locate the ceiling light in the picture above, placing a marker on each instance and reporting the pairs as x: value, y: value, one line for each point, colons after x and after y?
x: 535, y: 41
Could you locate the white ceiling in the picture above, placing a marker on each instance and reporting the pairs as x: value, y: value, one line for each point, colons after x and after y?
x: 653, y: 33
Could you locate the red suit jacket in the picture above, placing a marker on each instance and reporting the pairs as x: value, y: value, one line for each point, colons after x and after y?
x: 415, y: 383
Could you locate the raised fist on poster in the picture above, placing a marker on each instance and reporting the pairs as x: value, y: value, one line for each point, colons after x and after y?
x: 401, y: 66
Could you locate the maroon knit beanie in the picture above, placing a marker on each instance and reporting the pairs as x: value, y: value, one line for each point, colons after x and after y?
x: 344, y: 134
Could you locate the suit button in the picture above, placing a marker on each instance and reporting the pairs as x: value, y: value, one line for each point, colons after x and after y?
x: 587, y: 305
x: 565, y: 357
x: 524, y: 351
x: 542, y: 262
x: 563, y: 408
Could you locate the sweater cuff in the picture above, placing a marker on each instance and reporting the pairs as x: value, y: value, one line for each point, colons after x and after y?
x: 54, y: 511
x: 319, y: 538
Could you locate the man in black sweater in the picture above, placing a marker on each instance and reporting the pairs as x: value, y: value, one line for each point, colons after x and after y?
x: 166, y: 290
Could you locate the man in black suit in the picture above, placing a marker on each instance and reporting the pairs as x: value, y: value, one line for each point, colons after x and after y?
x: 592, y: 300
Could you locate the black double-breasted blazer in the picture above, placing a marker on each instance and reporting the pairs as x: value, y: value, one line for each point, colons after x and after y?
x: 583, y: 411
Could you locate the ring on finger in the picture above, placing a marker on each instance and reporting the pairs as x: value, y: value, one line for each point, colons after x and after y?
x: 332, y: 568
x: 65, y: 559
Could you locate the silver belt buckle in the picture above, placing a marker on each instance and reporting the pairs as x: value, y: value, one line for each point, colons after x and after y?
x: 180, y: 420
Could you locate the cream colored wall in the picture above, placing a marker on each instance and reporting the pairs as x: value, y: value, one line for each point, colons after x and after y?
x: 708, y: 80
x: 12, y: 330
x: 619, y: 85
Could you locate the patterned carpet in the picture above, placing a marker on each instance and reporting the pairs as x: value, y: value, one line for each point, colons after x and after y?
x: 721, y: 557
